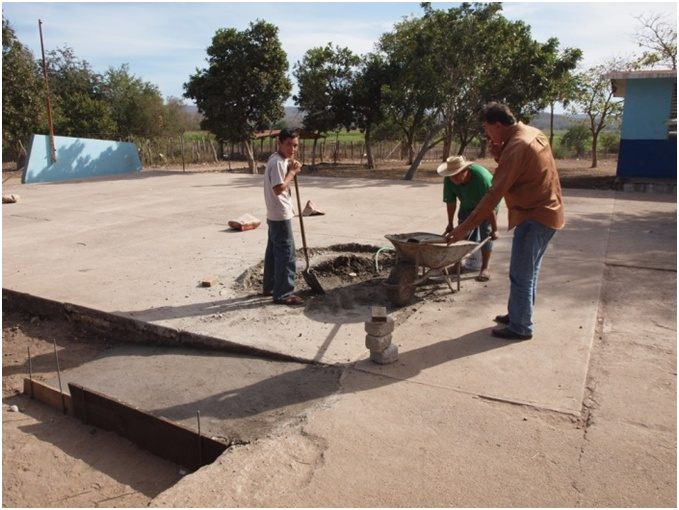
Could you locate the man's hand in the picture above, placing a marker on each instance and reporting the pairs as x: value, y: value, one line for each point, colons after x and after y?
x: 294, y: 166
x: 495, y: 235
x: 494, y: 148
x: 455, y: 235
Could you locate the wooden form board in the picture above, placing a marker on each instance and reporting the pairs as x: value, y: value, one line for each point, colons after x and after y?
x: 161, y: 437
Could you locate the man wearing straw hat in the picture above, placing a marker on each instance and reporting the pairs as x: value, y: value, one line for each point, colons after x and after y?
x: 468, y: 182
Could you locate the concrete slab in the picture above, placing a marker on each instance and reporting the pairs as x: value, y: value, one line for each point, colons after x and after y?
x: 139, y: 246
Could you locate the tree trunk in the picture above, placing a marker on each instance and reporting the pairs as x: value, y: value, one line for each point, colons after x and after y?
x: 420, y: 156
x: 368, y: 149
x: 594, y: 155
x: 551, y: 124
x: 313, y: 154
x: 250, y: 154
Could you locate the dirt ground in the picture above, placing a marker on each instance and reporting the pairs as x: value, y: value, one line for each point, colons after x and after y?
x: 574, y: 173
x: 53, y: 460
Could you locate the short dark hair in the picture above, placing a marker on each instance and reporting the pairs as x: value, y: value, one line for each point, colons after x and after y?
x: 497, y: 112
x: 287, y: 133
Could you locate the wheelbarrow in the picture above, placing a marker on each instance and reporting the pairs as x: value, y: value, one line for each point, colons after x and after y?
x: 419, y: 256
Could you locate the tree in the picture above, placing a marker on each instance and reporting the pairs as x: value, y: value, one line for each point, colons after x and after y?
x: 372, y: 74
x: 78, y: 105
x: 23, y: 99
x: 178, y: 119
x: 561, y: 83
x: 576, y: 138
x: 136, y: 106
x: 448, y: 64
x: 410, y: 99
x: 658, y: 36
x: 243, y: 89
x: 595, y: 99
x: 325, y: 78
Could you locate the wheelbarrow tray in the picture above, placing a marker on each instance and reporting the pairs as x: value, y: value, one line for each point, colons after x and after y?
x: 430, y: 250
x: 419, y: 255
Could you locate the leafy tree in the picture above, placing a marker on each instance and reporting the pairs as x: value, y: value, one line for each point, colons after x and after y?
x: 448, y: 64
x: 371, y: 75
x: 178, y: 119
x: 659, y: 37
x: 23, y: 98
x: 243, y: 88
x: 561, y: 83
x: 595, y: 99
x: 610, y: 142
x: 76, y: 92
x: 576, y: 138
x: 409, y: 99
x: 325, y: 78
x: 461, y: 56
x: 136, y: 106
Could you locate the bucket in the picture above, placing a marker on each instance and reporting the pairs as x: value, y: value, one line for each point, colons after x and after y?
x: 474, y: 262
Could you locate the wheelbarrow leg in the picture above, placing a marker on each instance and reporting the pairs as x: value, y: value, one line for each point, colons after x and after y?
x: 446, y: 276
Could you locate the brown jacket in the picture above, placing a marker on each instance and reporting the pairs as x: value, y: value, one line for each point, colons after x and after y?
x: 527, y: 178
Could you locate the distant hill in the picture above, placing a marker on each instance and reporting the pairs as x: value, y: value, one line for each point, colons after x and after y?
x: 293, y: 117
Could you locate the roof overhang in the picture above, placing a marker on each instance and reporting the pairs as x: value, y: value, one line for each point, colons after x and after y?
x: 619, y: 78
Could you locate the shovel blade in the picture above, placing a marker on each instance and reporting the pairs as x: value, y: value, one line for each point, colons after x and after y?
x: 312, y: 281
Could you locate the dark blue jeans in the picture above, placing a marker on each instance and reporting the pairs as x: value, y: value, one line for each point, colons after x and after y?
x: 280, y: 263
x: 479, y: 233
x: 528, y: 248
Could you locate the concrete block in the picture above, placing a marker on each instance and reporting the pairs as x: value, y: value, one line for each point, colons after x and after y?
x: 379, y: 314
x: 380, y: 328
x: 389, y: 355
x: 377, y: 343
x: 209, y: 282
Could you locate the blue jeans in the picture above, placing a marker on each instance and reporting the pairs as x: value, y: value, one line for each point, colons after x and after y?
x: 528, y: 248
x: 280, y: 263
x: 479, y: 233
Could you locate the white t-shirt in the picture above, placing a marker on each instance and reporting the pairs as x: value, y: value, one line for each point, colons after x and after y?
x: 278, y: 207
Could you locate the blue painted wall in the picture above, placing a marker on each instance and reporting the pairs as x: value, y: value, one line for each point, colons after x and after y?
x: 78, y: 158
x: 645, y: 149
x: 655, y: 159
x: 647, y: 108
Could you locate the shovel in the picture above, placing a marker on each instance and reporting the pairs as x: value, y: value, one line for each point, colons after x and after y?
x: 309, y: 276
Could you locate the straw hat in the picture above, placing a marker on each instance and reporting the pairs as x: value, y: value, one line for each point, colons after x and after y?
x: 453, y: 166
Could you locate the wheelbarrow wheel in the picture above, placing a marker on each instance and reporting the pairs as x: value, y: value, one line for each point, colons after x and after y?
x: 401, y: 286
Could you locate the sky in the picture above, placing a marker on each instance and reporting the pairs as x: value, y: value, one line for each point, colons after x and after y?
x: 165, y: 42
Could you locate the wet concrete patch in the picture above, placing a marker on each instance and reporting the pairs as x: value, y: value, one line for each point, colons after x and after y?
x: 239, y: 398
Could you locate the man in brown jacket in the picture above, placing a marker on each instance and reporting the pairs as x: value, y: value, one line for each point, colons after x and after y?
x: 526, y: 177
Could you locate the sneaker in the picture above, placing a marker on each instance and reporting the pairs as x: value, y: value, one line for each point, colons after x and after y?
x: 508, y: 334
x: 502, y: 319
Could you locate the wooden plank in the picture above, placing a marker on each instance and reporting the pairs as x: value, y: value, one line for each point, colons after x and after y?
x: 48, y: 395
x: 162, y: 437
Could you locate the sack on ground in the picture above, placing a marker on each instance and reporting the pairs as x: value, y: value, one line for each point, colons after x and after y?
x: 311, y: 209
x: 245, y: 222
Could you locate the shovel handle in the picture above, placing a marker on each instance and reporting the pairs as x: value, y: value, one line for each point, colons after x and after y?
x: 301, y: 222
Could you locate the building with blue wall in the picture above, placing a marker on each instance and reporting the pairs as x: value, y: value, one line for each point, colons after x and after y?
x: 648, y: 140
